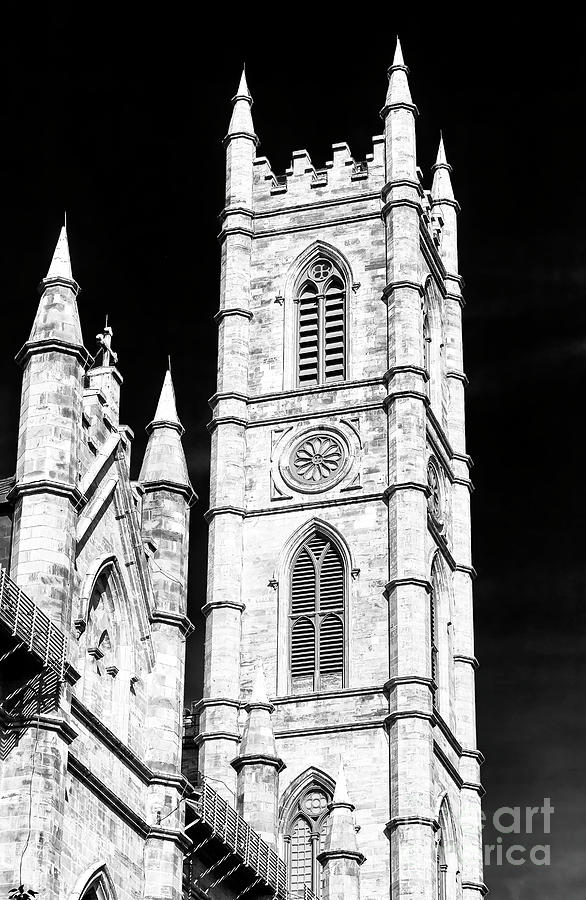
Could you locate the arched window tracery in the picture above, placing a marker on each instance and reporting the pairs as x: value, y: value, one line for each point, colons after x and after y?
x: 321, y: 324
x: 305, y: 840
x: 317, y: 616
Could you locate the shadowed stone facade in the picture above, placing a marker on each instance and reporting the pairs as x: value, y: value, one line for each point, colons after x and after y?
x: 339, y: 553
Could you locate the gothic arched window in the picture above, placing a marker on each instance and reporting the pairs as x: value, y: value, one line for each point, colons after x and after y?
x: 316, y: 617
x: 321, y: 325
x: 306, y: 840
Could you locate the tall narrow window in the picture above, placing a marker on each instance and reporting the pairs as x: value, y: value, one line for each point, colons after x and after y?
x: 306, y: 839
x: 317, y: 617
x: 321, y: 325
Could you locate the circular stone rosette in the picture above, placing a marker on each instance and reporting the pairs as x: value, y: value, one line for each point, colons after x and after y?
x: 316, y: 461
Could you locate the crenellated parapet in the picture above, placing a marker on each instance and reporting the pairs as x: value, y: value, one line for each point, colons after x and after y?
x: 303, y: 182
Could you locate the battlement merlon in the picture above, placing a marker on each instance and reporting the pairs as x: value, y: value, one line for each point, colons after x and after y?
x: 303, y: 182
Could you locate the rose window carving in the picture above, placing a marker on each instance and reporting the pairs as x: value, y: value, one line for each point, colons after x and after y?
x: 317, y: 459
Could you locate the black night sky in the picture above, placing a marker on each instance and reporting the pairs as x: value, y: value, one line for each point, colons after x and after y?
x: 122, y: 126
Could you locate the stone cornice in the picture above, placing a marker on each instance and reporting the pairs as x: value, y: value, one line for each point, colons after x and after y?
x: 400, y: 714
x: 466, y: 660
x: 234, y: 229
x: 393, y: 396
x: 474, y: 754
x: 236, y: 211
x: 465, y: 482
x: 45, y: 486
x: 400, y: 202
x: 400, y: 821
x: 258, y: 759
x: 408, y: 581
x: 405, y: 486
x: 398, y: 104
x: 474, y: 786
x: 44, y: 722
x: 222, y: 604
x: 457, y: 376
x: 233, y: 311
x: 216, y: 701
x: 214, y: 511
x: 240, y: 134
x: 226, y: 420
x: 399, y: 182
x: 469, y: 570
x: 406, y: 369
x: 178, y: 620
x: 205, y: 736
x: 390, y: 685
x: 156, y: 833
x: 172, y: 487
x: 475, y: 886
x: 393, y: 286
x: 354, y: 855
x: 53, y: 345
x: 227, y: 395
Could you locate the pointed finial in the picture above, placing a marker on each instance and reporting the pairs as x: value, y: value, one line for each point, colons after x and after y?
x: 441, y: 155
x: 398, y: 58
x: 61, y: 263
x: 259, y: 690
x: 341, y: 790
x: 166, y: 413
x: 241, y: 121
x: 169, y: 362
x: 243, y: 91
x: 398, y: 93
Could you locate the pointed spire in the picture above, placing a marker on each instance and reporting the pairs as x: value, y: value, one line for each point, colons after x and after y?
x: 398, y: 58
x: 164, y: 460
x: 243, y: 91
x: 166, y: 413
x: 61, y: 263
x: 241, y: 121
x: 57, y: 317
x: 341, y: 790
x: 341, y: 838
x: 441, y: 188
x: 398, y: 93
x: 259, y: 691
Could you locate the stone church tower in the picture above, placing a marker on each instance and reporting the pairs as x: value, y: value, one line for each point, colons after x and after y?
x: 338, y: 712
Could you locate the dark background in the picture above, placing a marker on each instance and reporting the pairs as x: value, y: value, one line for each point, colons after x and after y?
x: 120, y: 124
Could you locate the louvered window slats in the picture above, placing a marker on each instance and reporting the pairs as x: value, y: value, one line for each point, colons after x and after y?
x: 317, y: 617
x: 322, y: 331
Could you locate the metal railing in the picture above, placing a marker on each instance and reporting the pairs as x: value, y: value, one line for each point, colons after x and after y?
x: 226, y: 824
x: 30, y: 625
